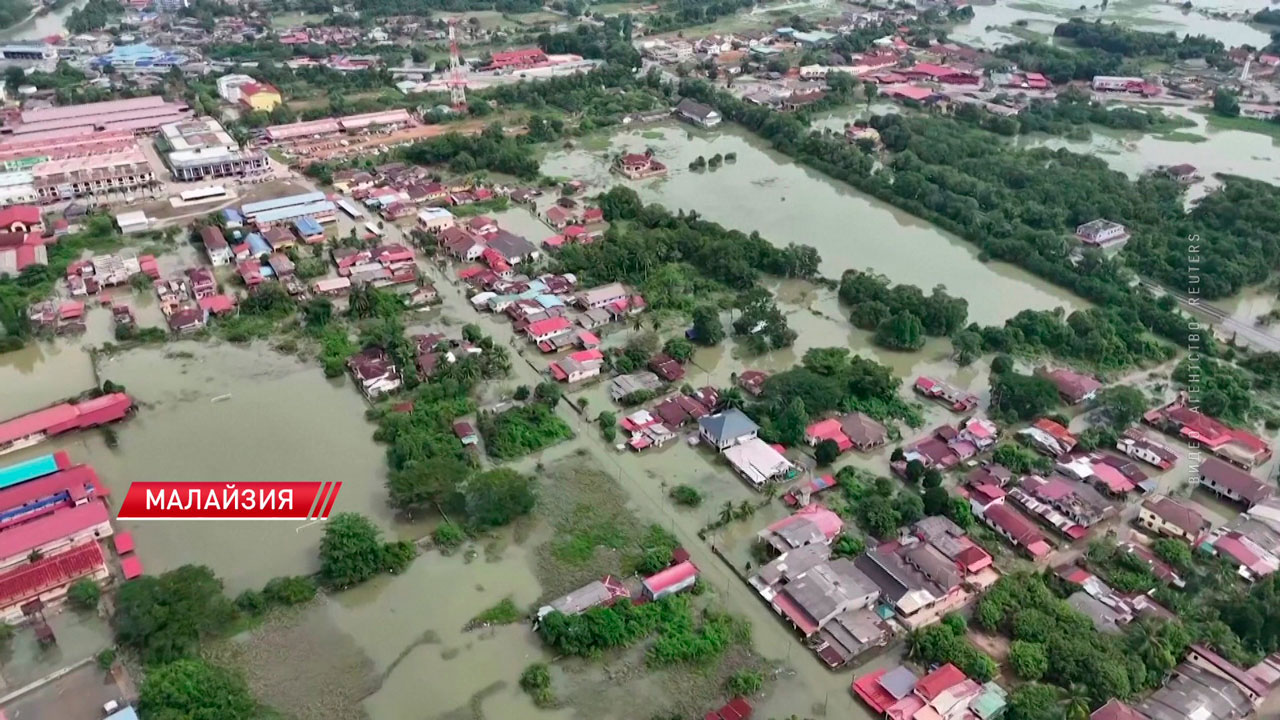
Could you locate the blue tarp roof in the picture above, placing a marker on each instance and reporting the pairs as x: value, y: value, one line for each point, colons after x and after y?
x: 232, y: 214
x: 308, y: 226
x: 549, y: 301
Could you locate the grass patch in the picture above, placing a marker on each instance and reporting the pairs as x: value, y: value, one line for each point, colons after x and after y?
x: 523, y: 430
x: 1244, y: 124
x: 504, y: 612
x: 1183, y: 136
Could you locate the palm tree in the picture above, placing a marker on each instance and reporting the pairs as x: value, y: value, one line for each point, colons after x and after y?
x: 360, y: 301
x: 733, y: 398
x: 726, y: 512
x: 746, y: 509
x: 1076, y: 702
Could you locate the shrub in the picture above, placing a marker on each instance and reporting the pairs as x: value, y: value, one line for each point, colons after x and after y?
x: 745, y: 682
x: 84, y: 594
x: 290, y: 590
x: 686, y: 495
x: 252, y: 602
x: 107, y: 658
x: 448, y: 536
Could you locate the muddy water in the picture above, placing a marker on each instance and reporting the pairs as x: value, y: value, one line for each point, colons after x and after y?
x: 767, y: 192
x: 280, y: 419
x: 41, y: 26
x: 993, y: 25
x: 1133, y: 153
x: 42, y: 373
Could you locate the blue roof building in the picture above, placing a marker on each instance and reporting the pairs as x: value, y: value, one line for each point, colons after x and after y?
x: 28, y: 470
x: 258, y: 245
x: 141, y: 57
x: 232, y: 218
x: 307, y: 226
x: 549, y: 301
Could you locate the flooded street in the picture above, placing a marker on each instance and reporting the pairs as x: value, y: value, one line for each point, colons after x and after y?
x: 787, y: 203
x: 1002, y: 23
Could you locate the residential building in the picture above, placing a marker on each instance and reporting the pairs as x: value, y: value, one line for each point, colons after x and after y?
x: 1015, y: 528
x: 726, y: 429
x: 1237, y: 446
x: 829, y: 602
x: 1135, y: 443
x: 433, y: 220
x: 701, y: 115
x: 637, y: 166
x: 1049, y: 437
x: 215, y: 245
x: 1165, y: 516
x: 1073, y: 387
x: 958, y: 400
x: 599, y: 297
x: 543, y: 330
x: 752, y: 381
x: 597, y: 593
x: 624, y: 385
x: 675, y: 579
x: 1102, y: 233
x: 755, y: 460
x: 374, y: 372
x: 578, y: 366
x: 1229, y: 481
x: 855, y: 430
x: 1070, y: 506
x: 76, y: 177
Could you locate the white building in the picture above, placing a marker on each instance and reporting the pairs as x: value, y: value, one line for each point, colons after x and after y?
x: 229, y: 86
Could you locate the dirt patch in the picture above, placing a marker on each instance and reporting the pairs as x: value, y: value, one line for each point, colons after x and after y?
x: 300, y: 663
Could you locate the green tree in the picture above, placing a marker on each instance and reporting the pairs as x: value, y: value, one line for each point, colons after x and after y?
x: 194, y: 690
x: 686, y: 495
x: 1028, y: 659
x: 425, y: 483
x: 826, y: 452
x: 84, y: 594
x: 1021, y: 397
x: 351, y: 550
x: 1034, y: 701
x: 790, y: 425
x: 164, y: 617
x: 707, y: 328
x: 1121, y: 405
x: 1225, y: 102
x: 496, y: 497
x: 966, y: 346
x: 901, y: 331
x: 679, y: 349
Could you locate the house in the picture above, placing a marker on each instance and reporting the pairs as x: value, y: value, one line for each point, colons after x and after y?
x: 674, y: 579
x: 543, y: 330
x: 624, y: 385
x: 829, y: 602
x: 758, y: 462
x: 637, y: 166
x: 1049, y: 437
x: 701, y: 115
x: 1193, y: 692
x: 1237, y: 446
x: 752, y: 381
x: 374, y: 372
x: 512, y: 248
x: 1183, y: 173
x: 726, y: 429
x: 1166, y: 516
x: 666, y: 367
x: 1102, y: 233
x: 1015, y: 528
x: 1073, y: 387
x: 186, y: 319
x: 309, y: 229
x: 882, y: 689
x: 1135, y: 444
x: 1069, y: 506
x: 578, y: 366
x: 279, y: 238
x: 735, y: 709
x: 203, y: 283
x: 215, y: 245
x: 433, y: 220
x: 1229, y: 481
x: 808, y: 525
x: 460, y: 244
x: 597, y: 593
x: 423, y: 295
x: 250, y: 272
x: 601, y: 296
x: 958, y: 400
x: 465, y: 433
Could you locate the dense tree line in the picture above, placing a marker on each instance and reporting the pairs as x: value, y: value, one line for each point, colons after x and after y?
x: 522, y: 430
x: 674, y: 259
x: 1129, y: 43
x: 1024, y: 608
x: 94, y: 15
x: 611, y: 41
x: 900, y: 314
x: 1063, y: 65
x: 1068, y: 114
x: 879, y: 505
x: 1099, y: 337
x: 828, y: 379
x: 1019, y: 205
x: 1223, y: 390
x: 491, y: 150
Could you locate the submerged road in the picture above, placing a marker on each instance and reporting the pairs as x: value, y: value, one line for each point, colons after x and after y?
x: 1255, y: 336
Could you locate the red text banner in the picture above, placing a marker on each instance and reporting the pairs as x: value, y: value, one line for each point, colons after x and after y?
x: 179, y: 500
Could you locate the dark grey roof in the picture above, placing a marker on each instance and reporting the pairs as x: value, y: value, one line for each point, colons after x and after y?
x: 731, y: 423
x: 695, y: 109
x: 511, y: 245
x: 1195, y: 693
x: 899, y: 682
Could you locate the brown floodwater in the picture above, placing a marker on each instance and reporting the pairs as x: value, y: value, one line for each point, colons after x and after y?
x: 789, y: 203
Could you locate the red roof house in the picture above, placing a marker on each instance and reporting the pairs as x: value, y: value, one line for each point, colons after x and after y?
x: 938, y: 681
x: 680, y: 576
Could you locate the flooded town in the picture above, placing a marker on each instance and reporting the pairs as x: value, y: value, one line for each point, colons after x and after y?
x: 723, y: 360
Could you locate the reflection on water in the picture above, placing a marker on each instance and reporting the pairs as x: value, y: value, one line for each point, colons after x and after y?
x: 787, y: 203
